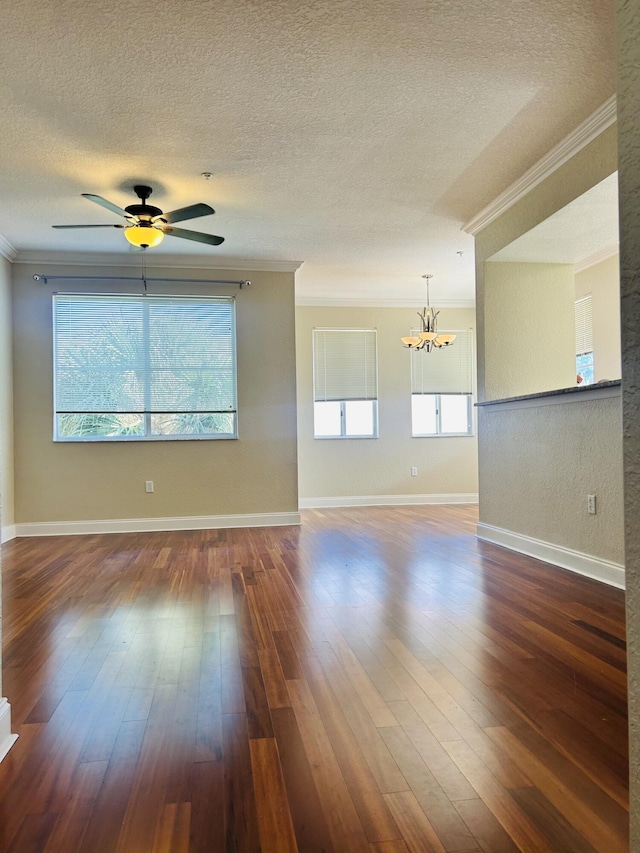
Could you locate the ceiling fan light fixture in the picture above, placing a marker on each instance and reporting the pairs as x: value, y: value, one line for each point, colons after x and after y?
x: 144, y: 236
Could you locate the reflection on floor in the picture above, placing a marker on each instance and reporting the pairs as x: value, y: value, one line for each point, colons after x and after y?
x: 377, y: 679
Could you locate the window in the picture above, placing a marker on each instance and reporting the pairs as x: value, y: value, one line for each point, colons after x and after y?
x: 441, y: 389
x: 584, y: 340
x: 345, y: 383
x: 144, y: 367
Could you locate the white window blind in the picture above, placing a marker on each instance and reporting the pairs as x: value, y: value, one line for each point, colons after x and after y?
x: 584, y: 325
x: 145, y: 355
x: 344, y: 364
x: 444, y: 371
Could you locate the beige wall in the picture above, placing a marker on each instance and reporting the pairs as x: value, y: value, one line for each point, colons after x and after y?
x: 6, y: 398
x: 382, y: 466
x: 602, y: 281
x: 529, y: 328
x: 550, y: 492
x: 105, y: 480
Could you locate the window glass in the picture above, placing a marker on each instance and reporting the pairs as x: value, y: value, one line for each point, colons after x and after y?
x: 359, y: 417
x: 327, y: 419
x: 454, y: 413
x: 423, y: 414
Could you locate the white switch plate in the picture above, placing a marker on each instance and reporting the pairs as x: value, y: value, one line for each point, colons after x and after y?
x: 591, y: 504
x: 148, y: 486
x: 414, y: 471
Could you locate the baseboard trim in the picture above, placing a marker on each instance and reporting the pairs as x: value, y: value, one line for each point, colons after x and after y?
x: 148, y: 525
x: 386, y: 500
x: 612, y: 574
x: 8, y: 533
x: 7, y: 739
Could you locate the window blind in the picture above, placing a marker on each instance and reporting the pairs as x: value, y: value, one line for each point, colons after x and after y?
x: 584, y: 325
x: 144, y: 354
x: 444, y: 371
x: 345, y: 364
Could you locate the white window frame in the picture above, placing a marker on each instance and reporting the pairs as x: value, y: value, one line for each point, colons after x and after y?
x: 469, y: 395
x: 368, y: 394
x: 438, y: 433
x: 146, y: 413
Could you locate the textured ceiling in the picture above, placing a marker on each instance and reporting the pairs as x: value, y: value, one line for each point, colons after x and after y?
x: 354, y: 136
x: 583, y: 229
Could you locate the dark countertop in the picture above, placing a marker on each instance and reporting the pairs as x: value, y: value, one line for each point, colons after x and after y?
x: 575, y: 389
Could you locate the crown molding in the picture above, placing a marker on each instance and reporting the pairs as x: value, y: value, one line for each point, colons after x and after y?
x: 7, y: 250
x: 132, y: 259
x: 375, y: 302
x: 597, y: 257
x: 578, y: 139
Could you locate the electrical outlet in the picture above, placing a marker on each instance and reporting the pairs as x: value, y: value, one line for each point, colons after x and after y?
x: 591, y: 504
x: 148, y: 486
x: 414, y: 471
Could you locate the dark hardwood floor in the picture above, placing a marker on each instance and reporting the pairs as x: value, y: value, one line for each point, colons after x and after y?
x: 376, y: 680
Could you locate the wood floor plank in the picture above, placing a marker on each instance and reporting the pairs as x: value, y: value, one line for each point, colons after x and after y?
x: 241, y: 821
x: 417, y: 831
x: 340, y: 814
x: 172, y: 832
x: 492, y: 838
x: 310, y: 826
x: 591, y: 826
x: 69, y: 828
x: 441, y: 812
x: 526, y: 834
x: 274, y: 818
x: 450, y: 779
x: 377, y: 679
x: 368, y: 800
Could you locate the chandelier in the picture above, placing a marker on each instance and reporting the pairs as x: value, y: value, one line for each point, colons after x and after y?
x: 428, y: 338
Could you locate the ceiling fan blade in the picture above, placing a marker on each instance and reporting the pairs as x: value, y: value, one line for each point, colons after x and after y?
x: 104, y: 203
x: 182, y: 213
x: 88, y: 226
x: 198, y: 236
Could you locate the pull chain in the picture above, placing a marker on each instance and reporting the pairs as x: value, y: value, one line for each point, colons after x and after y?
x: 144, y: 272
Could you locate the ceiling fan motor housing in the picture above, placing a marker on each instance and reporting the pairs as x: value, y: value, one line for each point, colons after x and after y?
x: 144, y: 211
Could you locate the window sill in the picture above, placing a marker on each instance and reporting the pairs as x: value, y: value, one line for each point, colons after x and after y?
x: 344, y: 437
x: 131, y: 439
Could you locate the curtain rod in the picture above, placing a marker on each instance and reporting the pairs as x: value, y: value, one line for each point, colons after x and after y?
x: 142, y: 279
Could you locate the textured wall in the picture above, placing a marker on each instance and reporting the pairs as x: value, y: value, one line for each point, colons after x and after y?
x: 529, y: 328
x: 6, y: 420
x: 628, y: 25
x: 556, y: 455
x: 602, y: 281
x: 78, y: 481
x: 6, y: 397
x: 382, y: 466
x: 541, y: 495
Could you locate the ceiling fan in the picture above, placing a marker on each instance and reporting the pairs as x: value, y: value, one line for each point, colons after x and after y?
x: 147, y: 225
